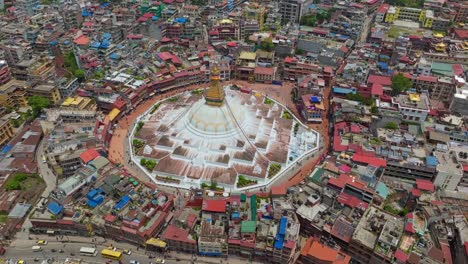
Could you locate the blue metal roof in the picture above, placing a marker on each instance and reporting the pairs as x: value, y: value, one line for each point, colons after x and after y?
x: 181, y: 20
x: 122, y: 203
x: 431, y: 161
x: 6, y: 149
x: 54, y: 208
x: 315, y: 99
x: 106, y: 36
x: 114, y: 56
x: 340, y: 90
x: 53, y: 43
x: 383, y: 65
x: 282, y: 226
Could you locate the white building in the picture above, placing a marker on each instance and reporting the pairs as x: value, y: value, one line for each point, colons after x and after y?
x: 413, y: 106
x: 449, y: 171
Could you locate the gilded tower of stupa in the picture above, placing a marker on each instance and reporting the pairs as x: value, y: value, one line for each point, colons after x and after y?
x: 215, y: 94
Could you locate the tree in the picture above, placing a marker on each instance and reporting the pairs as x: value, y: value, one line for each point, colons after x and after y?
x: 309, y: 20
x: 38, y: 103
x: 299, y: 52
x: 400, y: 84
x: 391, y: 125
x: 267, y: 44
x: 80, y: 74
x: 213, y: 185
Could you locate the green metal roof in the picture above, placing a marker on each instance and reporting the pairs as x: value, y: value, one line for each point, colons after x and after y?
x: 248, y: 226
x: 442, y: 68
x: 317, y: 175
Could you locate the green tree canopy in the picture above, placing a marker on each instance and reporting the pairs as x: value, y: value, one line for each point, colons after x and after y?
x: 38, y: 103
x: 391, y: 125
x: 400, y: 83
x: 309, y: 20
x: 267, y: 44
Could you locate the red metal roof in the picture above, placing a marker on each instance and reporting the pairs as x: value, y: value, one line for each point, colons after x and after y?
x: 458, y: 69
x: 416, y: 192
x: 447, y: 253
x: 425, y: 185
x: 278, y: 190
x: 461, y: 33
x: 401, y: 256
x: 465, y: 168
x: 383, y: 80
x: 351, y: 201
x: 409, y: 228
x: 377, y: 89
x: 290, y: 59
x: 89, y: 155
x: 383, y: 8
x: 427, y: 78
x: 264, y: 70
x: 376, y: 162
x: 217, y: 206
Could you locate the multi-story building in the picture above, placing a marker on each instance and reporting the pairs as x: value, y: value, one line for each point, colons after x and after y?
x: 6, y: 131
x: 27, y: 6
x: 291, y: 10
x: 14, y: 53
x: 13, y: 94
x: 462, y: 11
x: 212, y: 239
x: 5, y: 75
x: 255, y: 11
x: 449, y: 171
x: 414, y: 107
x: 34, y: 70
x: 245, y: 65
x: 50, y: 92
x: 248, y: 27
x: 409, y: 171
x: 314, y: 252
x: 294, y: 69
x: 459, y: 103
x: 225, y: 29
x: 463, y: 185
x: 441, y: 89
x: 313, y: 108
x: 381, y: 12
x: 67, y: 86
x: 371, y: 230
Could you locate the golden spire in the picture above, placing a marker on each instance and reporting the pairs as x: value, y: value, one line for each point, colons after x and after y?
x: 215, y: 94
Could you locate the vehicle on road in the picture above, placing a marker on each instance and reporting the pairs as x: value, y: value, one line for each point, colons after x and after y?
x: 161, y: 261
x: 42, y: 242
x: 127, y: 252
x: 36, y: 248
x: 88, y: 251
x: 134, y: 262
x: 111, y: 254
x: 20, y: 261
x: 2, y: 251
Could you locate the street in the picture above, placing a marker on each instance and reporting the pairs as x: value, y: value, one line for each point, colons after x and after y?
x: 71, y: 249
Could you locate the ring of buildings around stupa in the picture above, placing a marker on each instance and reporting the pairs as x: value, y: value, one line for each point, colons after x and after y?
x: 220, y: 136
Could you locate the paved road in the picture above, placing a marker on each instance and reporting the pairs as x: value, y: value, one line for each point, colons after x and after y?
x: 50, y: 181
x: 72, y: 244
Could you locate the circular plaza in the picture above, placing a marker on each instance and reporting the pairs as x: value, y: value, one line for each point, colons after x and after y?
x: 219, y: 138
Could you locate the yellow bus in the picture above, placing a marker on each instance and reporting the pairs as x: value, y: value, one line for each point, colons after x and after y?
x: 111, y: 254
